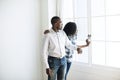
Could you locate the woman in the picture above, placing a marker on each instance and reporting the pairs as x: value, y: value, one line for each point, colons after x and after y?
x: 71, y: 31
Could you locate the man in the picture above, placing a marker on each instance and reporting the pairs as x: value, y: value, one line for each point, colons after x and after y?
x: 54, y: 44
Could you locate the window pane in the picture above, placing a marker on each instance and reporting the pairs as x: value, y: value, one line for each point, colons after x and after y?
x: 68, y: 9
x: 80, y: 8
x: 66, y: 20
x: 82, y: 28
x: 98, y: 28
x: 113, y: 28
x: 98, y: 52
x: 81, y: 36
x: 112, y: 7
x: 105, y: 29
x: 113, y: 54
x: 97, y: 7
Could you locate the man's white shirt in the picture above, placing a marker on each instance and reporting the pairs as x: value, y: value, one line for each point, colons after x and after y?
x: 54, y: 45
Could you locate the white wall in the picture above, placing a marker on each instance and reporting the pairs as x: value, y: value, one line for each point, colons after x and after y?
x: 19, y: 40
x: 48, y: 10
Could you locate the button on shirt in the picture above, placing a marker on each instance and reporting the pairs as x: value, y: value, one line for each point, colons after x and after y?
x: 54, y: 45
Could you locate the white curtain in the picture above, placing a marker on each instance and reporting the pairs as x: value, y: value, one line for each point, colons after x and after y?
x: 59, y: 8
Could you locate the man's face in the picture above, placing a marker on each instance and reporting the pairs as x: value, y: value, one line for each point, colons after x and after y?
x: 58, y: 25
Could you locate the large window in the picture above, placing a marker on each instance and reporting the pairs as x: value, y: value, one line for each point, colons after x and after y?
x: 101, y: 19
x: 76, y: 11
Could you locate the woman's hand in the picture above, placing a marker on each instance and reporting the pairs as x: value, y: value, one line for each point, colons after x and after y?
x: 87, y: 42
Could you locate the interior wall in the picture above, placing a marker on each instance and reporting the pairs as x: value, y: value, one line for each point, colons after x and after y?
x: 19, y: 40
x: 43, y: 26
x: 48, y: 10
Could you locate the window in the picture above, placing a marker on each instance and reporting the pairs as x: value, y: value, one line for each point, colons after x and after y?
x: 100, y: 19
x: 77, y: 10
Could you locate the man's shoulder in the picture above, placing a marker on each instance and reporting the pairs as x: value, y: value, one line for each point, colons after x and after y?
x: 61, y: 31
x: 49, y: 34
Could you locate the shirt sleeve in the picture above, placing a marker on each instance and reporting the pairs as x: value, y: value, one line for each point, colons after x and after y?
x: 45, y: 50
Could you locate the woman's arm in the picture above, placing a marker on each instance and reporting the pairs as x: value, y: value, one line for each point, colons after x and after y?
x: 87, y: 44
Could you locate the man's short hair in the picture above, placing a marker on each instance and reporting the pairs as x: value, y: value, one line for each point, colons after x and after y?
x: 54, y: 19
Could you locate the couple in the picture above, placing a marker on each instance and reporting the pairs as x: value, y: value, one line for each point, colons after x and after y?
x: 58, y: 48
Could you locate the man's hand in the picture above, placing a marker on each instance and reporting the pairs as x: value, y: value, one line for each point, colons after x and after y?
x: 48, y: 71
x: 79, y: 50
x: 46, y: 31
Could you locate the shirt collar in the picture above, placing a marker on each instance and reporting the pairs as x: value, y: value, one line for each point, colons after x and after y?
x: 53, y: 30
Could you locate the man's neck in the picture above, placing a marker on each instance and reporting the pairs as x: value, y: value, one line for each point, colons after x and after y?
x: 55, y: 29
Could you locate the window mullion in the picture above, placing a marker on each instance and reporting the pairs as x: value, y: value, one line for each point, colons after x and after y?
x: 73, y: 10
x: 89, y: 30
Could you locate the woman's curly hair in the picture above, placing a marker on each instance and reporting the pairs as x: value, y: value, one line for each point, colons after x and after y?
x: 70, y: 28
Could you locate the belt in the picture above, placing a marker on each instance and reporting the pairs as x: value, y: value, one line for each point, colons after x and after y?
x: 55, y: 57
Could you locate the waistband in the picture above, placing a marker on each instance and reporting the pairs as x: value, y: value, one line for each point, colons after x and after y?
x: 55, y: 57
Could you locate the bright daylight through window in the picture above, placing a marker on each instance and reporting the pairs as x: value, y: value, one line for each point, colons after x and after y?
x: 100, y: 19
